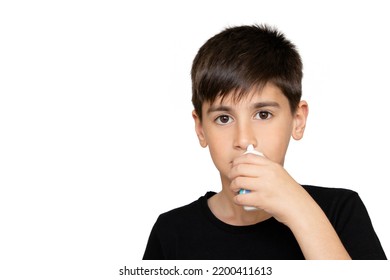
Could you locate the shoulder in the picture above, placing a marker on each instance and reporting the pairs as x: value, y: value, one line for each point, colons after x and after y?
x: 180, y: 213
x: 177, y: 229
x: 324, y: 191
x: 343, y: 207
x: 349, y: 217
x: 184, y: 216
x: 336, y: 202
x: 323, y: 195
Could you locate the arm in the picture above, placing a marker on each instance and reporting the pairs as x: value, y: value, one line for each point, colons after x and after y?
x: 313, y: 231
x: 276, y: 192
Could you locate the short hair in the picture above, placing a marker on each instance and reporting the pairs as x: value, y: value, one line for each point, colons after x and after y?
x: 242, y: 58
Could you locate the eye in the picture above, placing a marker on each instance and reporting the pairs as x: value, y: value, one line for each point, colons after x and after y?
x: 263, y: 115
x: 224, y: 119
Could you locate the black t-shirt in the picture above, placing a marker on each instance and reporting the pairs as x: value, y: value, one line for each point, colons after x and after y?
x: 193, y: 232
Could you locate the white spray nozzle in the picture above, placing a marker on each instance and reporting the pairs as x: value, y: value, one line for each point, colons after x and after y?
x: 251, y: 150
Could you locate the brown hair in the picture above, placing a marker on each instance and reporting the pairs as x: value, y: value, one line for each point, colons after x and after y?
x: 241, y: 58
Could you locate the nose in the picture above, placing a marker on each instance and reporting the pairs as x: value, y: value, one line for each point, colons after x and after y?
x: 245, y: 135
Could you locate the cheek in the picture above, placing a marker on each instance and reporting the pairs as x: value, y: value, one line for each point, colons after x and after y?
x: 276, y: 144
x: 219, y: 148
x: 277, y: 151
x: 219, y: 153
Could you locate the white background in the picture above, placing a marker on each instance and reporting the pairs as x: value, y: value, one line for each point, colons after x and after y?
x: 96, y: 134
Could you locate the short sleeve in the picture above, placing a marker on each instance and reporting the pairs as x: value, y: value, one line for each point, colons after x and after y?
x: 356, y: 230
x: 153, y: 249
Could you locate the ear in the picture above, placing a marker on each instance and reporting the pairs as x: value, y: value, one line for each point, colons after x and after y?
x: 300, y: 118
x: 199, y: 129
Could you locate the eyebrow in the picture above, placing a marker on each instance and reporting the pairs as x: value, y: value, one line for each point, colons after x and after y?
x: 257, y: 105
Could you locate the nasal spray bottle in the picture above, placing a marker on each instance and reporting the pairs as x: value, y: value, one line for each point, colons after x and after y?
x: 250, y: 150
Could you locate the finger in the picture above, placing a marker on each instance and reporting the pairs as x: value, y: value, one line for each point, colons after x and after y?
x: 252, y: 199
x: 244, y: 170
x: 249, y: 159
x: 242, y: 183
x: 247, y: 199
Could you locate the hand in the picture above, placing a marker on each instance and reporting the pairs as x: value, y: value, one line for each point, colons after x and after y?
x: 276, y: 192
x: 272, y: 188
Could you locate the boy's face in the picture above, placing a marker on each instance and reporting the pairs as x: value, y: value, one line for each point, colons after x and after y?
x: 263, y: 119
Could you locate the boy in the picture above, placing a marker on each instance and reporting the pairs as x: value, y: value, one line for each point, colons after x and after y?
x: 246, y: 90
